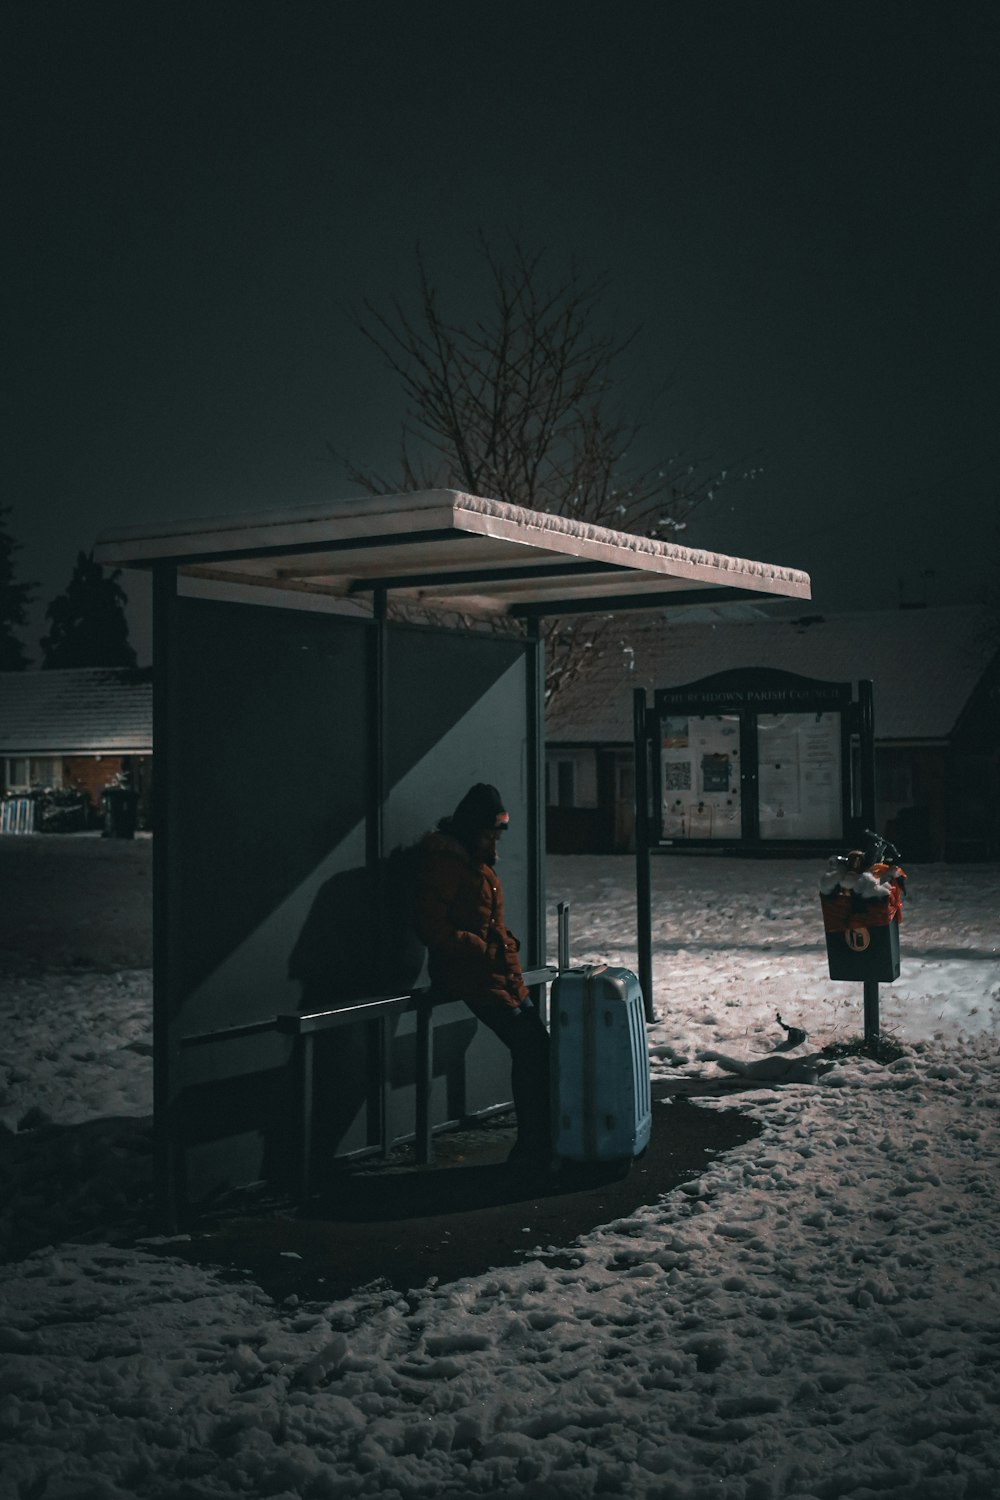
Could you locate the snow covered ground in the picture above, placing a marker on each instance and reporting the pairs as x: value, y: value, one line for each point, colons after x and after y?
x: 817, y: 1315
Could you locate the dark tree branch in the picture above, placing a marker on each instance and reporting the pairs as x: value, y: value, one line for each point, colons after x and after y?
x: 520, y: 406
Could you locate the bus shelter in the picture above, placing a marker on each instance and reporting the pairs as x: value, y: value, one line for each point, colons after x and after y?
x: 305, y: 735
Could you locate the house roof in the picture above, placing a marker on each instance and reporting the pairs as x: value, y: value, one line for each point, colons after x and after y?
x: 78, y: 711
x: 447, y: 550
x: 921, y: 662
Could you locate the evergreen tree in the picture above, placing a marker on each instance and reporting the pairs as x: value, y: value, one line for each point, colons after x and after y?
x: 88, y: 624
x: 14, y: 601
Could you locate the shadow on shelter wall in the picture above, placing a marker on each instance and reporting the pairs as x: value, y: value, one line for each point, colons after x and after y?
x: 270, y: 905
x: 269, y: 772
x: 358, y: 938
x: 353, y: 947
x: 266, y: 798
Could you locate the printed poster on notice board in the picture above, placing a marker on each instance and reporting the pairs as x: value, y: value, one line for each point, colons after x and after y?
x: 700, y: 771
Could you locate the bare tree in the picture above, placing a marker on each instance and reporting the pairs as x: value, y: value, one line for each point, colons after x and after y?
x: 521, y: 405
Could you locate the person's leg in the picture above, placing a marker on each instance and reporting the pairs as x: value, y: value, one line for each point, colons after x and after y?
x: 529, y: 1080
x: 524, y: 1035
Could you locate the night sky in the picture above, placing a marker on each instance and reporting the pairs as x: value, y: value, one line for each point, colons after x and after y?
x: 797, y: 203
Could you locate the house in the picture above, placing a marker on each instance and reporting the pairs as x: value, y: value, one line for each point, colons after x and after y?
x: 76, y: 730
x: 936, y: 712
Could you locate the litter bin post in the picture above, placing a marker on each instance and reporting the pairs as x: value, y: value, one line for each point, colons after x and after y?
x: 861, y: 895
x: 872, y: 1022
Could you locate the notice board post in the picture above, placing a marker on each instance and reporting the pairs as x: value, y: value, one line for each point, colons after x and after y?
x: 643, y: 872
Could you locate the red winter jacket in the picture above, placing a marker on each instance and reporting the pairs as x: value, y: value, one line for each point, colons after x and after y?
x: 458, y: 911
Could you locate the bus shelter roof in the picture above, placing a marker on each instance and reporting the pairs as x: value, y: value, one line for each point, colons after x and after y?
x: 445, y: 550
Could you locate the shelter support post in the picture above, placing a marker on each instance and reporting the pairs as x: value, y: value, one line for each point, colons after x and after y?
x: 866, y: 739
x: 643, y: 873
x: 379, y: 1038
x: 376, y: 790
x: 424, y: 1081
x: 165, y: 1124
x: 535, y: 791
x: 305, y: 1067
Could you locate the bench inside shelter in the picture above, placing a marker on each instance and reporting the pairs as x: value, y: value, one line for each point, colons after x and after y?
x: 375, y: 1014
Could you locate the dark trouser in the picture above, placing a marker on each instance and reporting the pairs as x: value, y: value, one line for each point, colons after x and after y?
x: 523, y: 1032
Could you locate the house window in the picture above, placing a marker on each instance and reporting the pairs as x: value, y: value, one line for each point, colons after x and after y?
x: 24, y: 772
x: 571, y: 779
x: 894, y: 781
x: 560, y: 783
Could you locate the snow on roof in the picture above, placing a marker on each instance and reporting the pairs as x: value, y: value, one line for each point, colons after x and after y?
x: 921, y: 662
x: 78, y: 711
x: 444, y: 549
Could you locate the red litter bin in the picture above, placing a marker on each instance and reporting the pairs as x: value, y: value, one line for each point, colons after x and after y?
x: 862, y: 909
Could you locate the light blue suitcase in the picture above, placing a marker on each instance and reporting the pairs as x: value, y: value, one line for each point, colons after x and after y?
x: 601, y: 1101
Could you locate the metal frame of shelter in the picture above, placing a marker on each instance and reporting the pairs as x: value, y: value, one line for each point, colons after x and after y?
x: 303, y: 732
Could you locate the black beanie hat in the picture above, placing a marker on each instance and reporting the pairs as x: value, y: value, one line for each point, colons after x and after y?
x: 481, y: 808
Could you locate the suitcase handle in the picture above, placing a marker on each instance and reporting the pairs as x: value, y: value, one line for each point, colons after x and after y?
x: 562, y: 958
x: 563, y: 937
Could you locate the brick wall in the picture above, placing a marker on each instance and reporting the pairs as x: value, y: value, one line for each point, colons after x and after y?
x: 91, y: 773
